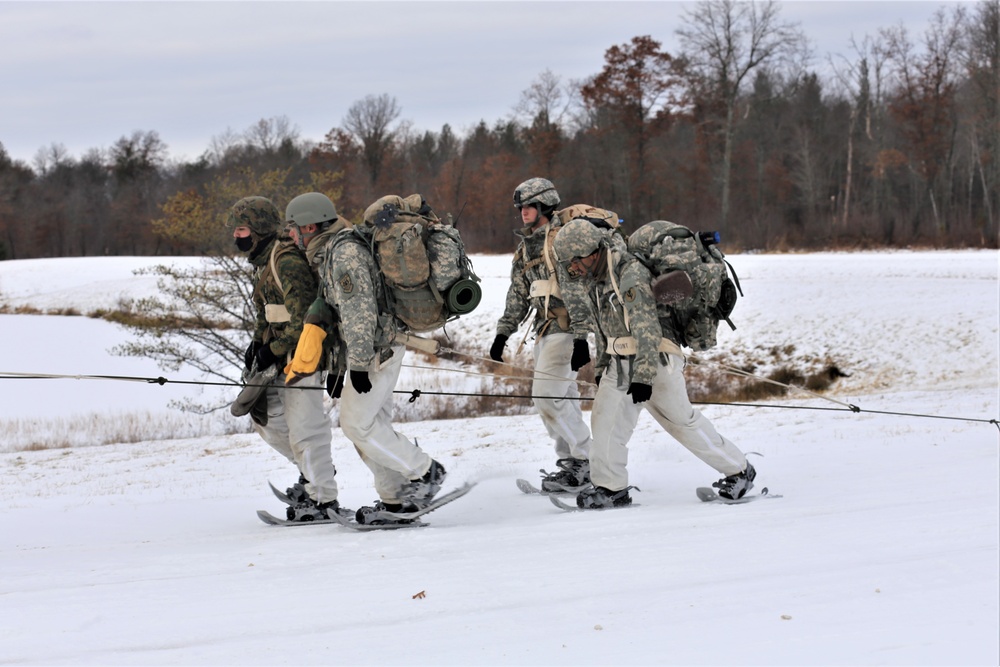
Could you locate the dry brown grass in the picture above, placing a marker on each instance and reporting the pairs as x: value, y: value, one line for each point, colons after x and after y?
x: 709, y: 383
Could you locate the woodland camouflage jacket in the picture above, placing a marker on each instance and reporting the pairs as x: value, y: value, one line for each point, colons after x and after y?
x: 297, y: 292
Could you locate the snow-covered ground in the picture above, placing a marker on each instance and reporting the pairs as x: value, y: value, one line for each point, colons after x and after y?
x: 882, y: 550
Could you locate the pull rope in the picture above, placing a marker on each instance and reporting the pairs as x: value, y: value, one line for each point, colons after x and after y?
x: 534, y: 373
x: 417, y: 393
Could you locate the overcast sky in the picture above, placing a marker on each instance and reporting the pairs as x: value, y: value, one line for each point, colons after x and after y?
x: 83, y: 74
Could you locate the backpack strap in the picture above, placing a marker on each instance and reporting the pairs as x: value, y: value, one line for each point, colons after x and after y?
x: 548, y: 264
x: 618, y: 292
x: 274, y: 269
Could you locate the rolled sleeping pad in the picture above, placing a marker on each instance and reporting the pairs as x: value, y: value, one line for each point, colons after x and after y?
x: 464, y: 296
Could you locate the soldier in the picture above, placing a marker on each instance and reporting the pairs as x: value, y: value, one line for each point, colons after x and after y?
x: 560, y: 344
x: 405, y: 476
x: 295, y: 422
x: 638, y: 358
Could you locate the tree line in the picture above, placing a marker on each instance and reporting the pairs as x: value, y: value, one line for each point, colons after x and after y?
x: 897, y: 144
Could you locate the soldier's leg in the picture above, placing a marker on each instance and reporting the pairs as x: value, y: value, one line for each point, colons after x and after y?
x: 388, y: 482
x: 562, y: 416
x: 310, y: 435
x: 366, y: 420
x: 672, y: 408
x: 613, y: 419
x: 275, y: 433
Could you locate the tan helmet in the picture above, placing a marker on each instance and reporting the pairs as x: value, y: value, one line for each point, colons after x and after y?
x: 258, y: 213
x: 311, y: 208
x: 579, y: 238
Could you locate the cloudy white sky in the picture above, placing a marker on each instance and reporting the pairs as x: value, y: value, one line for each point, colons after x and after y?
x: 83, y: 74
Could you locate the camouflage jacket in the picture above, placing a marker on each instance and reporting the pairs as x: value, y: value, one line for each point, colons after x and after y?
x: 637, y: 303
x: 296, y: 293
x: 350, y: 284
x: 334, y: 349
x: 529, y: 265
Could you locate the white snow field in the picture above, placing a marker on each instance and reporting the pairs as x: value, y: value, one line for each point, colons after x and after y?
x: 882, y: 550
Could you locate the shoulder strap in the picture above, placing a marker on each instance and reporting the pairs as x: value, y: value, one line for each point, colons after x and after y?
x: 548, y: 264
x: 274, y: 269
x: 614, y: 286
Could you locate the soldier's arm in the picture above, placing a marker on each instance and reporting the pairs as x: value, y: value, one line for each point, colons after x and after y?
x: 577, y: 302
x: 354, y: 297
x: 260, y: 323
x: 603, y: 358
x: 518, y: 298
x: 638, y: 302
x: 298, y: 292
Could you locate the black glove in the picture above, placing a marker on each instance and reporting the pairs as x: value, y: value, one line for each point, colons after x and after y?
x: 251, y: 352
x: 334, y: 384
x: 266, y: 358
x: 496, y: 352
x: 581, y: 354
x: 640, y: 392
x: 360, y: 382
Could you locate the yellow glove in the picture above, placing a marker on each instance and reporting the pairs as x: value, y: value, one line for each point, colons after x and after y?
x: 308, y: 353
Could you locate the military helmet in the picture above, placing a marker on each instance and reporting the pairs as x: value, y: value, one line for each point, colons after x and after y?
x: 311, y: 208
x: 538, y: 191
x: 579, y: 238
x: 258, y: 213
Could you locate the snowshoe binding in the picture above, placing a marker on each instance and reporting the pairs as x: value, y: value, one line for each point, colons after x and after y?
x: 421, y: 491
x: 310, y: 510
x: 599, y: 498
x: 735, y: 487
x: 374, y: 515
x: 572, y: 476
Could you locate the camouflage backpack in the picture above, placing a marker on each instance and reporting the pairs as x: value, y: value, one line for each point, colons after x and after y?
x: 691, y: 280
x: 428, y: 277
x: 598, y: 216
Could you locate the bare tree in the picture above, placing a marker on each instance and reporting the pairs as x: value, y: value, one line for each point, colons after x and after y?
x: 369, y: 120
x: 268, y: 134
x: 726, y: 40
x: 543, y: 111
x: 862, y: 82
x: 982, y: 63
x: 222, y: 147
x: 924, y: 99
x: 50, y: 157
x: 546, y: 96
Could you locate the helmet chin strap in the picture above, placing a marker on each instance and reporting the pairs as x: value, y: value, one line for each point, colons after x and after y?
x: 302, y: 238
x: 601, y: 267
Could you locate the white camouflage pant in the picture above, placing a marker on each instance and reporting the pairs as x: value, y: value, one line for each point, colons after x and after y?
x: 299, y: 429
x: 562, y: 417
x: 366, y: 420
x: 615, y: 415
